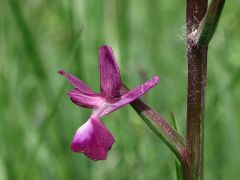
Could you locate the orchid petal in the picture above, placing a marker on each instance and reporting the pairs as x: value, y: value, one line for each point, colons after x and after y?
x: 129, y: 96
x: 110, y: 78
x: 85, y: 100
x: 93, y: 139
x: 77, y: 83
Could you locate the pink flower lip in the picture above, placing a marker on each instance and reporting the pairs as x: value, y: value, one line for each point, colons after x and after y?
x: 93, y: 138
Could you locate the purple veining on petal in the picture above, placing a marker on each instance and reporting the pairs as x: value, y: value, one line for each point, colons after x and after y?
x: 85, y: 100
x: 110, y: 77
x: 93, y: 139
x: 77, y: 83
x: 130, y: 96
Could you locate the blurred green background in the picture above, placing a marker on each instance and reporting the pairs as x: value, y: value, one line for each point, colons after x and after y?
x: 38, y: 121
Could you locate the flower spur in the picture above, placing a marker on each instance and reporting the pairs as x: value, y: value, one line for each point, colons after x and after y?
x: 93, y: 138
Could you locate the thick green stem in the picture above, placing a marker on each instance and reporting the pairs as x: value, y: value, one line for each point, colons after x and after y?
x: 197, y: 67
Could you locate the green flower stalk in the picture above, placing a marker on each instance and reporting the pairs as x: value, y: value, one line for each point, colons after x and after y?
x: 159, y: 126
x: 209, y: 23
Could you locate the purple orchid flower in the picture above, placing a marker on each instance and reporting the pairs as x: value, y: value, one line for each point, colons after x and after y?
x: 93, y: 138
